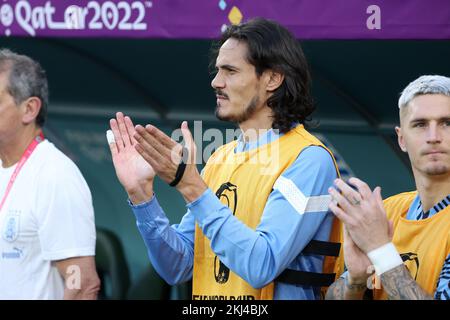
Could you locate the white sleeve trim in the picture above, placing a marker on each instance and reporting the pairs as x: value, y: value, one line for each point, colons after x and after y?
x: 70, y: 253
x: 298, y: 200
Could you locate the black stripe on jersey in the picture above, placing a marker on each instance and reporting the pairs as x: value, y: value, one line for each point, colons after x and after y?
x: 447, y: 297
x: 437, y: 207
x: 445, y: 271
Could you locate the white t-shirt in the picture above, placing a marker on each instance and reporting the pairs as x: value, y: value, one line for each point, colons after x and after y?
x: 48, y: 215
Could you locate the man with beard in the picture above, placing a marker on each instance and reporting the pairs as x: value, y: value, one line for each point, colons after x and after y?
x: 420, y: 220
x: 257, y: 224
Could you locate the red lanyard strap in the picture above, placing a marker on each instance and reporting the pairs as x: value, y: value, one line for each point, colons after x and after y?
x: 22, y: 161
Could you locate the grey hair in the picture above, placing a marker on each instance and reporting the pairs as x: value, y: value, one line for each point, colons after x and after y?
x: 26, y: 79
x: 424, y: 85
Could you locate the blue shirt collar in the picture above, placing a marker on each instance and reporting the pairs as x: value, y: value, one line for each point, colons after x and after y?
x: 264, y: 138
x: 416, y: 212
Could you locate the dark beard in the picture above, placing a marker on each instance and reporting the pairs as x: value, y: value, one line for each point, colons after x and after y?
x: 441, y: 170
x: 244, y: 116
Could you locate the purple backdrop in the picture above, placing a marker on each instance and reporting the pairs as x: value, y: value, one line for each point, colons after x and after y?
x: 307, y: 19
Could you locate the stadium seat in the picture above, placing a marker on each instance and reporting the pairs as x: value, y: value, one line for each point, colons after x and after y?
x: 149, y: 286
x: 111, y: 266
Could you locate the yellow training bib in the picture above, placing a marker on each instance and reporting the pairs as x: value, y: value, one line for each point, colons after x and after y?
x: 243, y: 181
x: 423, y: 244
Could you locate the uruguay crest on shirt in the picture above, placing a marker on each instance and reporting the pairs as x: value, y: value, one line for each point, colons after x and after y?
x: 11, y: 226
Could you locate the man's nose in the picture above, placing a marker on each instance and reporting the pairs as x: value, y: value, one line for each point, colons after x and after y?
x: 434, y: 134
x: 217, y: 82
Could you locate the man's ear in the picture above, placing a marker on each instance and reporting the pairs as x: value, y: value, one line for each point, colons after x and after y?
x: 31, y: 108
x: 400, y: 139
x: 275, y: 79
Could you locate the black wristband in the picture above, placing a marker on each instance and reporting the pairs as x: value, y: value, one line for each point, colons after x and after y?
x: 181, y: 168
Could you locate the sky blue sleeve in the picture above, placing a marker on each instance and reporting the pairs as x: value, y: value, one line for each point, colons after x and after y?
x: 443, y: 286
x: 170, y: 248
x: 258, y: 256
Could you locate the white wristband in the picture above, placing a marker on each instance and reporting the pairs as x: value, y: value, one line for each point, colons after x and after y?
x: 385, y: 258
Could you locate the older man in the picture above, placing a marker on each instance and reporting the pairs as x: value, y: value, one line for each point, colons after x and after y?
x: 47, y: 243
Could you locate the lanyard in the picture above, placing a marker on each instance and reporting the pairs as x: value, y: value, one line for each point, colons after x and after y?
x: 22, y: 161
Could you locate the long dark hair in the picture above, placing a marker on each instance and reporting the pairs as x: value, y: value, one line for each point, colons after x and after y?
x: 271, y: 46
